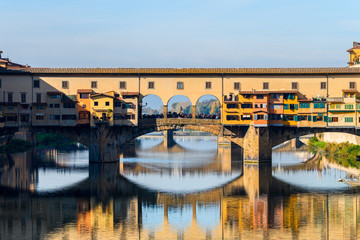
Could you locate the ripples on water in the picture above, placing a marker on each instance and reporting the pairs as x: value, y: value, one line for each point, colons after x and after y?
x: 187, y: 189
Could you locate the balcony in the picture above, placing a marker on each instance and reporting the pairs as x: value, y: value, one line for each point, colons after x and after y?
x: 335, y: 99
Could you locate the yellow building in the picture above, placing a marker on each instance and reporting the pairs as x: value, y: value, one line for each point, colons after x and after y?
x: 342, y: 109
x: 354, y: 56
x: 291, y: 105
x: 246, y: 108
x: 231, y: 110
x: 102, y: 108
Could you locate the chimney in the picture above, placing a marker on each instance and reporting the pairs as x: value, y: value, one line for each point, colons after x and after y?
x: 355, y: 44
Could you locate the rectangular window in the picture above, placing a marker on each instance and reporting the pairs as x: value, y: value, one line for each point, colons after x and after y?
x: 260, y: 96
x: 39, y: 107
x: 286, y: 106
x: 55, y: 96
x: 36, y: 83
x: 38, y: 97
x: 232, y: 105
x: 117, y: 104
x: 56, y: 105
x: 259, y: 117
x: 334, y: 119
x: 275, y: 96
x: 51, y: 105
x: 319, y: 105
x: 84, y: 106
x: 39, y: 117
x: 151, y: 85
x: 246, y: 105
x: 275, y: 106
x: 332, y: 106
x: 65, y: 84
x: 96, y: 103
x: 84, y: 95
x: 265, y: 85
x: 323, y: 85
x: 304, y: 105
x: 10, y: 97
x: 232, y: 117
x: 0, y: 83
x: 24, y: 117
x: 294, y: 85
x: 246, y: 117
x: 93, y: 84
x: 208, y: 85
x: 84, y: 115
x: 352, y: 85
x: 54, y: 117
x: 349, y: 106
x: 180, y: 85
x: 349, y: 119
x: 289, y: 96
x: 338, y: 106
x: 122, y: 85
x: 68, y: 117
x: 23, y: 97
x: 69, y: 105
x: 107, y: 103
x: 236, y: 86
x: 275, y: 117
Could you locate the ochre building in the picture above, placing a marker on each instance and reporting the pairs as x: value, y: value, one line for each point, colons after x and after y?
x: 292, y: 97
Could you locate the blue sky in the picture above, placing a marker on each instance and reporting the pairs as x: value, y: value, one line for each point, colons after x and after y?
x: 196, y: 33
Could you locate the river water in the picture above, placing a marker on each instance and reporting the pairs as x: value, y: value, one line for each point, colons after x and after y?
x: 187, y: 189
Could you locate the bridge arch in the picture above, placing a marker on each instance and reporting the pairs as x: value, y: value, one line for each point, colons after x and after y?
x: 179, y: 106
x: 208, y: 106
x: 152, y: 106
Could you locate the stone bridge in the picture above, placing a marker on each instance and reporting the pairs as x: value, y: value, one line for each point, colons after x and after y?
x: 104, y: 142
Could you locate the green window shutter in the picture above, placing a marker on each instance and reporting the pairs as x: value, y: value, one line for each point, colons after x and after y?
x: 286, y: 106
x: 322, y: 105
x: 285, y: 118
x: 296, y: 107
x: 330, y: 119
x: 309, y: 118
x: 325, y: 118
x: 316, y: 105
x: 314, y: 118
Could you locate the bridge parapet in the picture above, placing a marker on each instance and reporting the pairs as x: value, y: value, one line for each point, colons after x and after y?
x: 177, y: 121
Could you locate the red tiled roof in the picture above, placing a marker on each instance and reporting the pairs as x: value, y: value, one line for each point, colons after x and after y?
x: 350, y: 90
x: 305, y: 100
x: 349, y: 50
x: 245, y: 71
x: 84, y: 90
x: 130, y: 93
x: 101, y: 94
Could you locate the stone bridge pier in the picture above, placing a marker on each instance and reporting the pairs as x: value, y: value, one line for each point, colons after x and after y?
x: 103, y: 144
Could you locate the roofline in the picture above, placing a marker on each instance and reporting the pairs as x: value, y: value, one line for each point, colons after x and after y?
x: 181, y: 71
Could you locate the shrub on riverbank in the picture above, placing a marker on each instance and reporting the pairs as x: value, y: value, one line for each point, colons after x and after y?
x: 44, y: 140
x: 344, y: 154
x: 16, y: 145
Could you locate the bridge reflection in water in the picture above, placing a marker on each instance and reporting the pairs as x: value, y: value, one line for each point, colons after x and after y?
x: 106, y: 205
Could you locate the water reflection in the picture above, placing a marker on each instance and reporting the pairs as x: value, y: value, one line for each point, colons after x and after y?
x: 259, y: 202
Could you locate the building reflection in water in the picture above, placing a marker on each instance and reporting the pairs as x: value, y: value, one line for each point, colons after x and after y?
x: 256, y: 205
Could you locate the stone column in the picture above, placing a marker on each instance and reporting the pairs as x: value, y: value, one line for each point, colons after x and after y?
x: 194, y: 111
x: 257, y: 144
x: 165, y: 112
x: 102, y: 147
x: 168, y: 138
